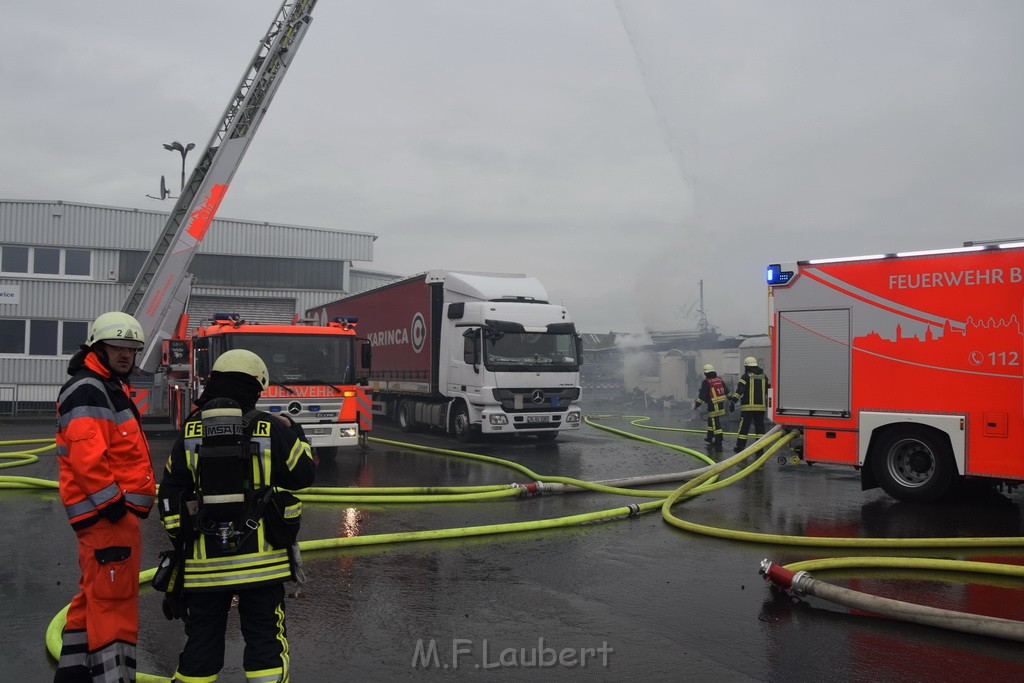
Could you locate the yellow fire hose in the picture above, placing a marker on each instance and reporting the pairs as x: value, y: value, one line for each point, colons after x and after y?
x: 698, y: 481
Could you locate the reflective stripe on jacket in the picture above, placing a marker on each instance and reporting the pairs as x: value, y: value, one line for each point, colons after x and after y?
x: 752, y: 390
x: 102, y: 451
x: 283, y: 461
x: 713, y: 393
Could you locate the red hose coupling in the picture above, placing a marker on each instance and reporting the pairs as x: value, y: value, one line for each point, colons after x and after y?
x: 529, y: 490
x: 777, y: 574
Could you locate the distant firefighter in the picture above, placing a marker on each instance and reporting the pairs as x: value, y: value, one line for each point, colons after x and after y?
x: 713, y: 394
x: 752, y: 395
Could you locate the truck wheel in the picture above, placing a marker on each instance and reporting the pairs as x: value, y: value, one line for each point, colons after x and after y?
x: 914, y: 464
x: 326, y: 453
x: 461, y: 425
x: 405, y: 421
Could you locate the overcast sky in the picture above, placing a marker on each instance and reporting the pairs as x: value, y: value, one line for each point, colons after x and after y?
x: 621, y: 152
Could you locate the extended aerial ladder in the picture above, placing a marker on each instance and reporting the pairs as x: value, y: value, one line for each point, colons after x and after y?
x: 160, y: 293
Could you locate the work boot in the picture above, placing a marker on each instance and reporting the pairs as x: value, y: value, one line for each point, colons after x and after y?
x: 718, y: 446
x: 738, y: 448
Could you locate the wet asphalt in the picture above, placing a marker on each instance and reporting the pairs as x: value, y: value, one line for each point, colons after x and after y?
x: 609, y: 601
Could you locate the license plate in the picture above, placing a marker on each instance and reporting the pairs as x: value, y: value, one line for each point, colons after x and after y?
x: 537, y: 418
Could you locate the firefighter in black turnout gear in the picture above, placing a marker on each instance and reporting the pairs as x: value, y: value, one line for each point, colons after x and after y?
x: 225, y: 502
x: 713, y: 393
x: 752, y: 395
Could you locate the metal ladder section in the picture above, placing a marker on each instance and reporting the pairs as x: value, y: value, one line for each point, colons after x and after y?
x: 160, y: 292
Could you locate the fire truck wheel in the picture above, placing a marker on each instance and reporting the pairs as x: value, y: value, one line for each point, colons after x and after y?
x: 914, y: 464
x: 405, y: 421
x: 461, y: 425
x: 326, y: 453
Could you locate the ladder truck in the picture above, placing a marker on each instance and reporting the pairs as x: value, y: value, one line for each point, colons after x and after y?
x: 332, y: 407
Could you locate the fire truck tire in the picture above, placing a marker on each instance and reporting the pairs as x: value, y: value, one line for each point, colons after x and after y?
x: 914, y: 464
x: 461, y: 425
x: 326, y: 453
x: 405, y: 419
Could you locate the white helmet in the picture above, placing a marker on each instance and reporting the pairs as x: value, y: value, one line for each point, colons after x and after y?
x: 709, y: 368
x: 117, y: 329
x: 244, y: 361
x: 750, y: 362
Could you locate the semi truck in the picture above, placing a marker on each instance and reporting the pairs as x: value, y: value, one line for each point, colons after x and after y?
x: 317, y: 373
x: 907, y: 366
x: 469, y: 353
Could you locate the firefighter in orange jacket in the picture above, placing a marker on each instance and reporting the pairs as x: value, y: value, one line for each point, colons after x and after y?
x: 713, y: 393
x: 752, y: 395
x: 106, y: 486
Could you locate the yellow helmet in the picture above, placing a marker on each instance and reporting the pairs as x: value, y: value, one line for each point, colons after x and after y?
x: 750, y: 362
x: 117, y: 329
x: 709, y: 368
x: 244, y: 361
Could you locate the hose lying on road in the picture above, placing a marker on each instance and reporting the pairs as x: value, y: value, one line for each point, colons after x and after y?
x: 801, y: 583
x: 697, y: 481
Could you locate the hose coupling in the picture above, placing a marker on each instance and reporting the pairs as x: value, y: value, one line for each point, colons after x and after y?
x: 776, y: 574
x: 634, y: 510
x: 530, y: 490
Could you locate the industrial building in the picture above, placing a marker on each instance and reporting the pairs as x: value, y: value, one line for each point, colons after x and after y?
x: 64, y: 263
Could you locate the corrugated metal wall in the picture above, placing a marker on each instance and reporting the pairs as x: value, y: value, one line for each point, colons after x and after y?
x: 362, y: 280
x: 264, y: 310
x: 105, y: 230
x: 106, y: 227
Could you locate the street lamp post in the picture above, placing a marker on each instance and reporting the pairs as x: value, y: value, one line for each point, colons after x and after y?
x: 184, y: 150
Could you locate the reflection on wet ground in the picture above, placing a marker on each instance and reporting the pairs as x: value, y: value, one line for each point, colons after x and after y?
x: 601, y: 601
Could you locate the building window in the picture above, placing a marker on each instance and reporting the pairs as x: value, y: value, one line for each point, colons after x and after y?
x: 77, y: 262
x: 215, y: 270
x: 42, y: 337
x: 14, y: 260
x: 73, y: 336
x: 46, y: 261
x: 12, y: 336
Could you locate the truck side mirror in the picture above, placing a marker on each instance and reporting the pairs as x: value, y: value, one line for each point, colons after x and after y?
x: 366, y: 355
x: 201, y: 348
x: 471, y: 348
x: 579, y: 350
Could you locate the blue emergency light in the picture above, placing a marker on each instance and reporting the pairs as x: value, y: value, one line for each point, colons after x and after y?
x: 775, y: 275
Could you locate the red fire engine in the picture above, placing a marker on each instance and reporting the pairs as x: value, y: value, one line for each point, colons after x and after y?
x: 908, y: 366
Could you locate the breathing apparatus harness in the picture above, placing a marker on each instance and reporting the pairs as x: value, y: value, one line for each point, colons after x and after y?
x: 228, y: 506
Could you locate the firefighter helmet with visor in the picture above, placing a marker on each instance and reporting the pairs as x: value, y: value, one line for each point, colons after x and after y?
x: 750, y: 362
x: 709, y: 368
x: 117, y: 329
x: 244, y: 361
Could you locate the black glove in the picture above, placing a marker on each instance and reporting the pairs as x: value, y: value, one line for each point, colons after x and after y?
x: 696, y: 405
x: 115, y: 511
x: 732, y: 406
x: 173, y: 605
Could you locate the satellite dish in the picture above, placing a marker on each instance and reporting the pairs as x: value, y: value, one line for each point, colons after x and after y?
x: 164, y: 192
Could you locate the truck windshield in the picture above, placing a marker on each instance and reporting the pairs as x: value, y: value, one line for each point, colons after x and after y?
x: 530, y: 350
x: 302, y: 358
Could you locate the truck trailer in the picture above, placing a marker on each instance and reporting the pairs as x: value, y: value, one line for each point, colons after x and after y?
x: 907, y: 366
x: 469, y: 353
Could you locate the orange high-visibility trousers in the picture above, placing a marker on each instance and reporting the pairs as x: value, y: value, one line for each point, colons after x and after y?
x: 102, y: 626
